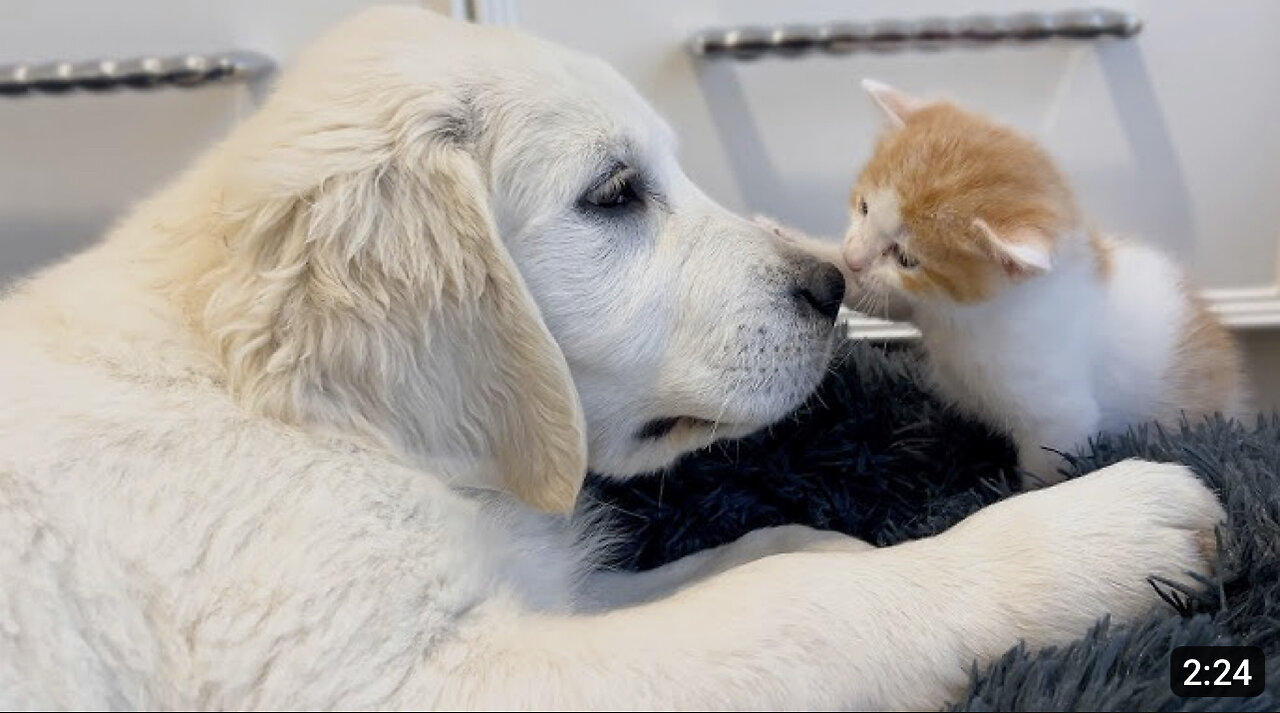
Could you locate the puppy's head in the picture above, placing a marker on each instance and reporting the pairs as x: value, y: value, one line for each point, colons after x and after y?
x: 681, y: 322
x: 477, y: 248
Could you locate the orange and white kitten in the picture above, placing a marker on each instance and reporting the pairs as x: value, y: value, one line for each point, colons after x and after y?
x: 1032, y: 321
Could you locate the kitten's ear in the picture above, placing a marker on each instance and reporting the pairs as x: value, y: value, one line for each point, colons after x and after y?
x: 1024, y: 252
x: 897, y: 105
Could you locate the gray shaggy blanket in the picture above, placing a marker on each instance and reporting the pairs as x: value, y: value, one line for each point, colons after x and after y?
x: 874, y: 456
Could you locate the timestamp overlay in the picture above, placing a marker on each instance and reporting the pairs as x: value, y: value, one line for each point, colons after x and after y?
x: 1217, y: 671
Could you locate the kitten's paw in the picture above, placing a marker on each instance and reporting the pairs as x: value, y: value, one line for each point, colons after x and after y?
x: 778, y: 229
x: 1074, y: 552
x: 1040, y: 467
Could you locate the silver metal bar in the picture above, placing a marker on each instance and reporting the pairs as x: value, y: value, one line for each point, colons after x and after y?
x: 927, y: 33
x: 186, y: 70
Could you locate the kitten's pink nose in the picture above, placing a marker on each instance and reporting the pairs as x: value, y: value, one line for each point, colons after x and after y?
x: 855, y: 258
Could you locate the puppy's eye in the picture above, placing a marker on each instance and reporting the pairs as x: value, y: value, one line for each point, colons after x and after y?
x: 862, y: 206
x: 618, y: 191
x: 906, y: 260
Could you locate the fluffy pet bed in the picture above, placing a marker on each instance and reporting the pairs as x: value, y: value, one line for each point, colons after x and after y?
x: 873, y: 456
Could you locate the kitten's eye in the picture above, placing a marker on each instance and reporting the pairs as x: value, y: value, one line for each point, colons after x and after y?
x: 862, y: 206
x: 905, y: 259
x: 615, y: 192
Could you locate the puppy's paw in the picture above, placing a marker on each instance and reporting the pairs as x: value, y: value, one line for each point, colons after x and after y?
x: 1071, y: 553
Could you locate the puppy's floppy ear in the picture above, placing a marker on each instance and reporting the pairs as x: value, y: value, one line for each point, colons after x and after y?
x: 896, y: 104
x: 375, y: 296
x: 1023, y: 252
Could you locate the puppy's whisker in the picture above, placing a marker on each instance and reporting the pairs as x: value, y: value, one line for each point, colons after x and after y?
x: 729, y: 394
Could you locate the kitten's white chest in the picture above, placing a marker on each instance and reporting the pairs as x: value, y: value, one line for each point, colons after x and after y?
x: 1028, y: 351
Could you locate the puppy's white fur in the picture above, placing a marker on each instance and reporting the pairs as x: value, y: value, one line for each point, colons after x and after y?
x: 258, y: 448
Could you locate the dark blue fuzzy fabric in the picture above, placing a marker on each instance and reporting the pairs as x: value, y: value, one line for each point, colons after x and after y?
x: 872, y: 455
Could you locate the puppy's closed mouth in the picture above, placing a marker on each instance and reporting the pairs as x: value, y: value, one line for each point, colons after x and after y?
x: 662, y: 427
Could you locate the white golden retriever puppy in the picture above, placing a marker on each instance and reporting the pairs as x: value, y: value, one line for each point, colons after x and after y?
x: 301, y: 432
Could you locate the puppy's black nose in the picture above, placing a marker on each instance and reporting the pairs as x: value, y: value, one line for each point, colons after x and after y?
x: 822, y: 290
